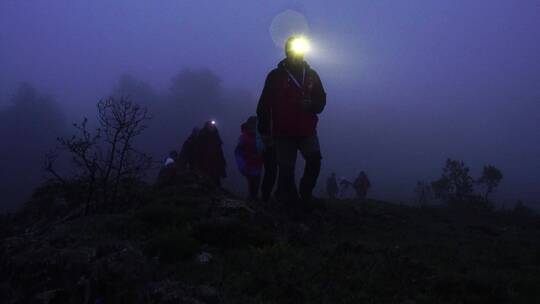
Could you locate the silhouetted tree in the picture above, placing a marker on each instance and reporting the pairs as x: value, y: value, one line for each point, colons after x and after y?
x: 136, y: 90
x: 201, y: 83
x: 197, y: 93
x: 491, y: 177
x: 455, y: 184
x: 106, y: 160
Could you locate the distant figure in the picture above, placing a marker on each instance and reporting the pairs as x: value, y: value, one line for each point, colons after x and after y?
x: 332, y: 186
x: 169, y: 169
x: 248, y: 159
x: 287, y: 111
x: 361, y: 185
x: 188, y: 154
x: 210, y: 161
x: 171, y: 159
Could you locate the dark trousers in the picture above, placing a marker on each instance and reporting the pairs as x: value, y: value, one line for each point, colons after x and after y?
x: 270, y: 172
x: 286, y: 152
x: 253, y: 186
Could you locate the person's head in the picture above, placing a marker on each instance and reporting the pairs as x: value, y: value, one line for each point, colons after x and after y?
x: 173, y: 154
x: 210, y: 125
x: 295, y: 48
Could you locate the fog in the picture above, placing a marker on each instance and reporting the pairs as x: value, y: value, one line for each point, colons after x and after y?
x: 409, y: 84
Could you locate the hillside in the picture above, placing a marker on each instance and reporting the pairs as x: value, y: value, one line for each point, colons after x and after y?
x: 187, y: 243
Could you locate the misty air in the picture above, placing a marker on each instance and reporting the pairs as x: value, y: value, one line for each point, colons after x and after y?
x: 283, y: 151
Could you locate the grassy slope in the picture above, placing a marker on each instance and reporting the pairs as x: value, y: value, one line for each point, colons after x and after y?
x: 342, y: 252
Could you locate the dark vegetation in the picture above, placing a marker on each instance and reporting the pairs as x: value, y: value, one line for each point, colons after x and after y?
x: 107, y: 165
x: 185, y: 241
x: 32, y: 121
x: 456, y: 188
x: 190, y: 243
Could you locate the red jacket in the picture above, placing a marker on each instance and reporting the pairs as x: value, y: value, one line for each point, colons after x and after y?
x: 280, y: 111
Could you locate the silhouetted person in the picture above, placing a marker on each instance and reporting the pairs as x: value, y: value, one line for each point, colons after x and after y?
x: 248, y: 159
x: 332, y: 186
x: 292, y: 97
x: 169, y: 169
x: 210, y: 161
x: 361, y: 185
x: 171, y: 159
x: 188, y: 154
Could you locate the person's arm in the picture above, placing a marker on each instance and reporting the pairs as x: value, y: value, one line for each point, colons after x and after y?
x: 318, y: 95
x: 264, y: 109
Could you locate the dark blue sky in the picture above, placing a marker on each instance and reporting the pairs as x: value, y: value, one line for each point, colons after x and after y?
x: 409, y: 83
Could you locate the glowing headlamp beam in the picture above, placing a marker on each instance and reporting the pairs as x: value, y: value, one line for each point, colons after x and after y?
x: 299, y: 46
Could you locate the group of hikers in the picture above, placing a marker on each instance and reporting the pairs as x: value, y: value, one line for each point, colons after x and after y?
x: 340, y: 189
x: 201, y: 153
x: 285, y: 123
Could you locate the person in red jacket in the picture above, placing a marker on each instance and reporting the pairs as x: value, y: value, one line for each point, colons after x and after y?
x: 248, y: 159
x: 287, y: 111
x: 210, y: 161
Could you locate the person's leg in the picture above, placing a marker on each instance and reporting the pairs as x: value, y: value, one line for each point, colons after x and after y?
x: 270, y: 173
x: 311, y: 152
x: 286, y: 150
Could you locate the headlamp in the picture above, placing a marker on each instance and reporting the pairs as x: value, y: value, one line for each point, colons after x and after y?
x: 299, y: 46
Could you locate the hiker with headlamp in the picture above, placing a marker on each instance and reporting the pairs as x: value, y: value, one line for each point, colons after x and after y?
x: 287, y: 111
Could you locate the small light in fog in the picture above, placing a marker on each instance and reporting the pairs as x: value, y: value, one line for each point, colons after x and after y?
x: 213, y: 122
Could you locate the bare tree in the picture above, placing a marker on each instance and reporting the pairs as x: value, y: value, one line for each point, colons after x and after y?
x: 106, y: 159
